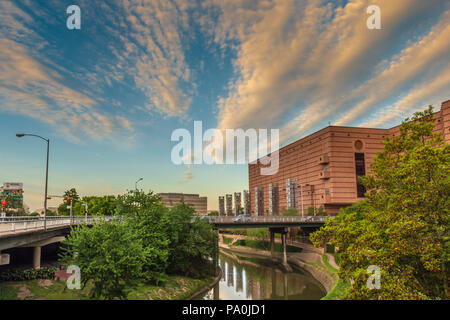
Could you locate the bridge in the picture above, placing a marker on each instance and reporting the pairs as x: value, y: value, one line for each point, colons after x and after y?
x: 224, y: 222
x: 275, y: 224
x: 36, y: 232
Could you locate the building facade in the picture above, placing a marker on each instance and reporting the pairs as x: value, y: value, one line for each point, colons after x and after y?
x: 200, y: 204
x: 322, y: 168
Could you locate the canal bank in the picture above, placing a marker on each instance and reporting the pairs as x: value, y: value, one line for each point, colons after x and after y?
x: 252, y: 277
x: 310, y: 259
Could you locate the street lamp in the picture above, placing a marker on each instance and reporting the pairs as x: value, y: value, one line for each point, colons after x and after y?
x: 135, y: 184
x: 20, y: 135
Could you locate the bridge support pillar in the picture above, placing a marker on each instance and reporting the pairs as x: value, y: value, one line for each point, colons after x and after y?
x: 272, y: 243
x: 283, y: 247
x: 37, y: 257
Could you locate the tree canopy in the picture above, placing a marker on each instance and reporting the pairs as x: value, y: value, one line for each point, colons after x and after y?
x: 403, y: 225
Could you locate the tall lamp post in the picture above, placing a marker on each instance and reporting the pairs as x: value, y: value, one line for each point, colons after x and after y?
x: 135, y: 184
x: 20, y: 135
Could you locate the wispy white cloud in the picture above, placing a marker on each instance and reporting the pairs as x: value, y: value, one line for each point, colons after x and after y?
x: 301, y: 64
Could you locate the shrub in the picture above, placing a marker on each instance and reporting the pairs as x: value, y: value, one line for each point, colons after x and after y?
x: 27, y: 274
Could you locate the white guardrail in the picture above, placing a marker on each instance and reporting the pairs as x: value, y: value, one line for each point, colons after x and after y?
x: 263, y: 219
x: 17, y: 224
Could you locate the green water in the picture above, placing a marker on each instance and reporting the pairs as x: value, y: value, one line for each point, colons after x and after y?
x: 248, y: 278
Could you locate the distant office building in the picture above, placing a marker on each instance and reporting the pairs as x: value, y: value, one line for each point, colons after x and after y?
x: 200, y: 204
x: 41, y: 210
x: 229, y: 204
x: 323, y: 168
x: 221, y: 205
x: 12, y: 192
x: 247, y: 203
x: 237, y: 203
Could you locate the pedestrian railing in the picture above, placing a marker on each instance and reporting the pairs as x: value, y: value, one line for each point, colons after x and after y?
x: 264, y: 219
x: 20, y: 224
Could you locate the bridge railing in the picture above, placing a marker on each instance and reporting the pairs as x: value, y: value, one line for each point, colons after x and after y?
x: 18, y: 224
x: 266, y: 219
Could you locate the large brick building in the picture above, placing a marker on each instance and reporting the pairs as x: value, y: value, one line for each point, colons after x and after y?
x: 322, y: 168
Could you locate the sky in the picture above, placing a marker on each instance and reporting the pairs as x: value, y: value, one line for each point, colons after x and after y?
x: 110, y: 94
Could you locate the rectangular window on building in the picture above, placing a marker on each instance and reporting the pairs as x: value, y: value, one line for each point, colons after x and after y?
x: 360, y: 171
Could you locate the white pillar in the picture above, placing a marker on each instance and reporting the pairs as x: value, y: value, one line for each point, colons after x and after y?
x: 36, y: 257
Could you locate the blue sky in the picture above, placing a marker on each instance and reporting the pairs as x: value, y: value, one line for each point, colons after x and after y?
x: 109, y: 95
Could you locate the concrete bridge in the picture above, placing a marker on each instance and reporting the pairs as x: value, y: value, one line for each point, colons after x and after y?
x: 275, y: 224
x: 234, y: 222
x: 36, y: 232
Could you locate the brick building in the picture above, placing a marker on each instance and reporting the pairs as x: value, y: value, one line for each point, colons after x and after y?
x: 322, y: 168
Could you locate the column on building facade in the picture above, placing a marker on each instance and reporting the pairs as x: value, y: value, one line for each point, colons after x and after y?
x: 229, y: 205
x: 237, y: 203
x: 221, y: 206
x: 247, y: 202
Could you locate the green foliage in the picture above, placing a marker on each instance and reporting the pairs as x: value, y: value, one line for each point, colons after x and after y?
x: 264, y: 245
x: 289, y: 212
x: 50, y: 213
x: 151, y: 242
x: 152, y: 228
x: 191, y: 242
x: 227, y: 240
x: 258, y: 233
x: 101, y: 206
x: 109, y: 255
x: 135, y: 202
x: 213, y: 213
x: 310, y: 211
x: 27, y: 274
x: 403, y: 225
x: 321, y: 212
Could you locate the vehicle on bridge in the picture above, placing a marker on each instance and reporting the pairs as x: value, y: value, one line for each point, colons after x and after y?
x: 242, y: 218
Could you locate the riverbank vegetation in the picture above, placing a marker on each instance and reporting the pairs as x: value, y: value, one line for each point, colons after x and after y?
x: 149, y: 244
x: 175, y: 288
x: 402, y: 227
x: 263, y: 245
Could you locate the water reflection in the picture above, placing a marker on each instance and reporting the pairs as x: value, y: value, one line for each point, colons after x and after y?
x: 248, y: 278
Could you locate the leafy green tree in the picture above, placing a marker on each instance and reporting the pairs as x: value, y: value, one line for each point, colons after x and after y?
x: 290, y: 212
x: 213, y: 213
x: 72, y: 194
x: 321, y: 212
x: 151, y: 226
x: 109, y: 255
x: 133, y: 202
x: 260, y: 234
x: 101, y: 206
x: 191, y: 242
x: 403, y: 225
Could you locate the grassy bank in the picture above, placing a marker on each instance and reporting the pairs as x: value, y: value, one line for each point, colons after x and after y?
x: 340, y: 287
x: 176, y: 288
x: 263, y: 245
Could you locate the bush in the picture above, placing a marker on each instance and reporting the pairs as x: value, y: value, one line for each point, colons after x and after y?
x: 27, y: 274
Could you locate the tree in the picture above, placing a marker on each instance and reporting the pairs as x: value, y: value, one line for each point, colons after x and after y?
x: 72, y: 194
x: 403, y: 225
x: 213, y: 213
x: 133, y: 202
x: 151, y: 226
x: 109, y: 255
x: 191, y: 242
x: 290, y: 212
